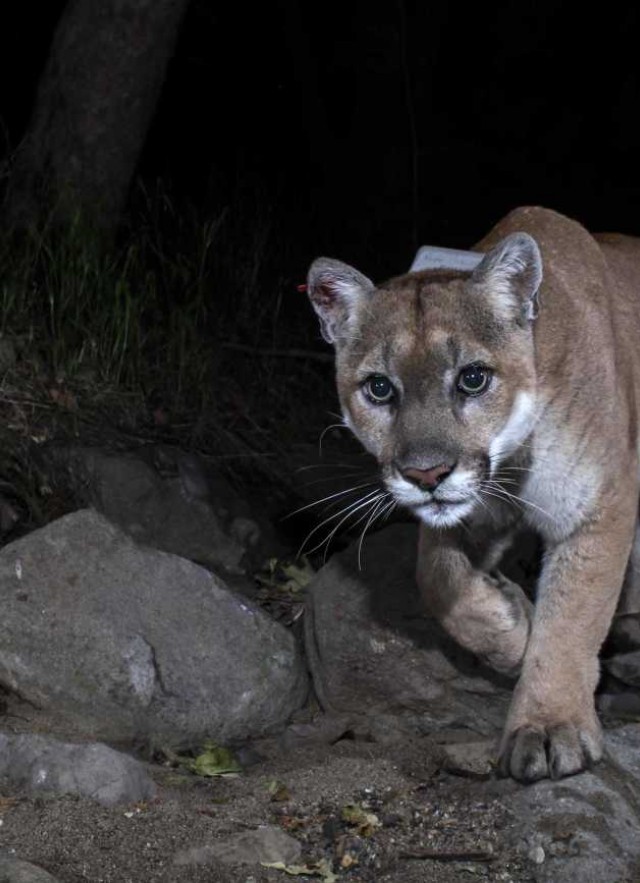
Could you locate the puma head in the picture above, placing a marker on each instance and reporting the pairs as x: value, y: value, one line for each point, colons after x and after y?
x: 435, y: 371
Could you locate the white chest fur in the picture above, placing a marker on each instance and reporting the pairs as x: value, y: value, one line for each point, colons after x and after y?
x: 561, y: 488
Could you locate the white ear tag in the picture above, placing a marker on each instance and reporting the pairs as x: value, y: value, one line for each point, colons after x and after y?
x: 432, y: 257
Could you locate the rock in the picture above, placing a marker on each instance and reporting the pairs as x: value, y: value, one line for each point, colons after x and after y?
x: 585, y: 827
x: 89, y: 770
x: 536, y: 855
x: 623, y: 751
x: 625, y: 705
x: 134, y: 643
x: 373, y: 651
x: 265, y: 844
x: 167, y: 499
x: 629, y: 600
x: 625, y: 633
x: 625, y: 667
x: 474, y: 760
x: 324, y: 730
x: 12, y: 870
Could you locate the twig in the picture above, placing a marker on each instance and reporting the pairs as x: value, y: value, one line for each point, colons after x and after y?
x: 438, y: 856
x: 24, y: 401
x: 278, y: 353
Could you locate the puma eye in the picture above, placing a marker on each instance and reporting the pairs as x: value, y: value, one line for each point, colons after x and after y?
x: 474, y: 380
x: 379, y: 389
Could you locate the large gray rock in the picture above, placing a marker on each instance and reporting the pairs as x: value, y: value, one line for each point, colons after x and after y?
x: 586, y: 827
x: 625, y: 667
x: 90, y: 770
x: 166, y: 498
x: 373, y: 651
x: 12, y: 870
x: 132, y: 642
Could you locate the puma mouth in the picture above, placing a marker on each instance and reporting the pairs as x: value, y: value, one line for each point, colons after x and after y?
x: 455, y: 495
x: 435, y: 510
x: 443, y: 513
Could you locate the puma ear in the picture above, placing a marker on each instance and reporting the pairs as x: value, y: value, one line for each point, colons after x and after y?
x: 511, y: 274
x: 334, y: 289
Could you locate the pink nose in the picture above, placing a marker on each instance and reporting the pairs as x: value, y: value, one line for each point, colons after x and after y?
x: 428, y: 479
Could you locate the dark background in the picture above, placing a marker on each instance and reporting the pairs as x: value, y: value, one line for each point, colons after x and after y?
x: 363, y: 130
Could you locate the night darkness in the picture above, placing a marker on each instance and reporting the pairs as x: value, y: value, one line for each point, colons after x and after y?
x: 365, y: 130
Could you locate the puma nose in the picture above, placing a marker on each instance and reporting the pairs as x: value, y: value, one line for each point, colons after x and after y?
x: 428, y: 479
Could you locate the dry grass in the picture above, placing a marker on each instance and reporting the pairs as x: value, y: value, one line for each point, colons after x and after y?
x: 190, y: 331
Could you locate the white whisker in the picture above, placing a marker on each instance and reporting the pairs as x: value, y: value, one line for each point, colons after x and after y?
x: 325, y: 465
x: 502, y: 493
x: 372, y: 518
x: 343, y: 477
x: 349, y: 490
x: 325, y: 431
x: 327, y: 540
x: 347, y: 512
x: 391, y: 505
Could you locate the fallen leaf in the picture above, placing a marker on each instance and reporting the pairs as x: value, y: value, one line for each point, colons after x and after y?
x: 288, y: 577
x: 365, y: 823
x: 214, y: 760
x: 298, y: 575
x: 318, y: 869
x: 278, y: 791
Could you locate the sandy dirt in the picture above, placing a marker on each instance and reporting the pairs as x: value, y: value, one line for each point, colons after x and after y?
x: 413, y: 822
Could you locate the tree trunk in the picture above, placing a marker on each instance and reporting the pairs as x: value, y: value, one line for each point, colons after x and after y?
x: 95, y: 101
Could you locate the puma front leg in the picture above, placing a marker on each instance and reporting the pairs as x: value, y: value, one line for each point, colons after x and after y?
x: 487, y: 614
x: 552, y: 728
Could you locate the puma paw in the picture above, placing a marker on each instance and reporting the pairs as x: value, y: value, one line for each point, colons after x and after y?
x: 535, y: 752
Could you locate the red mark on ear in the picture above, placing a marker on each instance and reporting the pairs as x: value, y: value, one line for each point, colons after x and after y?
x: 301, y: 288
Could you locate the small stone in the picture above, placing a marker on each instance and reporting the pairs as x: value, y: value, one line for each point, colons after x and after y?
x: 473, y: 760
x: 348, y: 849
x: 394, y: 819
x: 536, y: 855
x: 265, y: 844
x: 325, y: 729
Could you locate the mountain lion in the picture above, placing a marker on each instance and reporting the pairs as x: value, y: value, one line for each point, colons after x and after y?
x: 496, y: 398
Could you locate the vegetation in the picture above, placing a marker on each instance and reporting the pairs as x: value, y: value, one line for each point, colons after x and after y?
x: 189, y: 330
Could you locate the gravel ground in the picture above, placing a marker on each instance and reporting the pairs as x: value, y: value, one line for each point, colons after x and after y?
x: 372, y: 813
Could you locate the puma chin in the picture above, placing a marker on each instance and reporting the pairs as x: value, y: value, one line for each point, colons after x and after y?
x: 496, y: 399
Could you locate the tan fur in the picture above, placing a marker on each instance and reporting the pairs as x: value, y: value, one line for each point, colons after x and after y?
x: 552, y: 443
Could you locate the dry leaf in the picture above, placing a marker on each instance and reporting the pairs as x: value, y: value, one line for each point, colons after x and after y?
x: 318, y: 869
x: 364, y: 823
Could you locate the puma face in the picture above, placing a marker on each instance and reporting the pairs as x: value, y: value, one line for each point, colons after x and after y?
x: 436, y: 373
